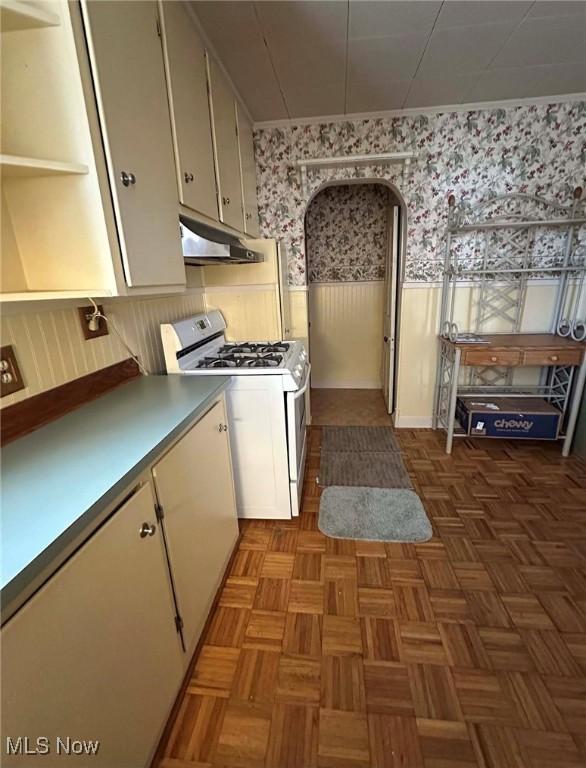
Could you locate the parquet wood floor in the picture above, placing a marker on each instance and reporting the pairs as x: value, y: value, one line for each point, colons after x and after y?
x: 467, y: 651
x: 349, y: 408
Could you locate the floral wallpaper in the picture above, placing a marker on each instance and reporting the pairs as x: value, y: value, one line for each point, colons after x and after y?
x: 535, y: 149
x: 346, y: 233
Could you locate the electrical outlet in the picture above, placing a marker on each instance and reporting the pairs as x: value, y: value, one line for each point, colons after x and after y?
x: 10, y: 376
x: 84, y: 315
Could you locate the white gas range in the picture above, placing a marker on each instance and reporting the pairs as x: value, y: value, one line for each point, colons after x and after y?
x: 267, y: 408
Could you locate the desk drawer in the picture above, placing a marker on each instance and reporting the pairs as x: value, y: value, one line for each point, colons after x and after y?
x: 506, y: 357
x: 552, y: 357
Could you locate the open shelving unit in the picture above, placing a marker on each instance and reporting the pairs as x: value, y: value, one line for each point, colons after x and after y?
x: 12, y: 166
x: 494, y: 250
x: 53, y: 232
x: 16, y: 15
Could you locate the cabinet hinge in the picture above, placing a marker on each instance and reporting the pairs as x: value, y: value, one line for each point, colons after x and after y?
x: 159, y: 511
x: 178, y: 623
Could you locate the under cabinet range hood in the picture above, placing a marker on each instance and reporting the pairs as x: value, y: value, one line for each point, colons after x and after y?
x: 205, y: 245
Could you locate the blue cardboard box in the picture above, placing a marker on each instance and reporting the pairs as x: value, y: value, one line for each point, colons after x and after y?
x: 530, y: 418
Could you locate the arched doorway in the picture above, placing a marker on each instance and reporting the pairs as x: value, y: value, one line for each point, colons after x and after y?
x: 354, y: 242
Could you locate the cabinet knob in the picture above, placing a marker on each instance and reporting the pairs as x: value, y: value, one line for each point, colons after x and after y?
x: 188, y: 177
x: 554, y: 358
x: 147, y: 529
x: 225, y: 201
x: 493, y: 359
x: 127, y: 178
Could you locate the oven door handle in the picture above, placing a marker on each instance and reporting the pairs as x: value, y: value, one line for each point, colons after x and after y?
x: 304, y: 387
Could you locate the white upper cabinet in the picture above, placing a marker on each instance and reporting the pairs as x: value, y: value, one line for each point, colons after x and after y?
x: 227, y: 156
x: 190, y: 117
x: 129, y: 79
x: 248, y: 171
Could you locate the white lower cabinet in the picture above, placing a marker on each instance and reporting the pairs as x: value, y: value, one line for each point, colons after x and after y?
x: 196, y: 492
x: 95, y: 655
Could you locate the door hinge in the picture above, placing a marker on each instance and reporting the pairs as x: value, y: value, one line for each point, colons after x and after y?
x: 159, y: 511
x: 178, y: 623
x: 158, y: 26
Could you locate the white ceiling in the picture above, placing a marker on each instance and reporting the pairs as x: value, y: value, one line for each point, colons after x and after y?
x: 300, y: 59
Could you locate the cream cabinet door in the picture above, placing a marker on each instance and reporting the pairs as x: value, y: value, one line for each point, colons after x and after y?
x: 190, y: 112
x: 129, y: 80
x: 248, y: 171
x: 196, y: 491
x: 95, y: 655
x: 223, y: 108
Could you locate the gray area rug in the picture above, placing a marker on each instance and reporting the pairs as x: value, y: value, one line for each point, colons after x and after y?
x: 378, y: 439
x: 376, y: 514
x: 374, y: 469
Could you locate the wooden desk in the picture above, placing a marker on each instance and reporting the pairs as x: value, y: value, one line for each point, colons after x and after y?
x: 563, y: 357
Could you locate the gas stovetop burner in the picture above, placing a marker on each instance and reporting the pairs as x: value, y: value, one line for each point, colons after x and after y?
x: 225, y: 359
x: 266, y: 361
x: 218, y: 362
x: 254, y: 347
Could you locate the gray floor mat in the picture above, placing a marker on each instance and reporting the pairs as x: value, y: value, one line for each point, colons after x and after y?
x: 375, y: 514
x: 376, y: 439
x: 372, y: 469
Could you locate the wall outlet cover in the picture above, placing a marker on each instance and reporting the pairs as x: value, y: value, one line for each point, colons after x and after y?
x: 84, y: 314
x: 10, y: 376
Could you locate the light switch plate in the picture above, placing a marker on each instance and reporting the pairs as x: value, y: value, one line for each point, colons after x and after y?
x: 10, y: 376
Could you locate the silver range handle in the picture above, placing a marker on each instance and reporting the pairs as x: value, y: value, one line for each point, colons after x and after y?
x: 304, y: 387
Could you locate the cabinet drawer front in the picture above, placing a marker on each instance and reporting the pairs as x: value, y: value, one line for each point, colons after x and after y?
x: 551, y: 357
x: 489, y: 357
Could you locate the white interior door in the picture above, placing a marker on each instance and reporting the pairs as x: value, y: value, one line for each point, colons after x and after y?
x: 195, y: 488
x: 390, y: 307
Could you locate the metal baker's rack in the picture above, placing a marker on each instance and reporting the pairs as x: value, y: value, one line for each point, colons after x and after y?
x: 490, y: 248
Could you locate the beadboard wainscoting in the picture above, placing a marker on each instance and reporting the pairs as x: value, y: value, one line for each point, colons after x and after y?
x: 298, y: 303
x: 250, y: 312
x: 51, y: 350
x: 346, y: 334
x: 418, y: 344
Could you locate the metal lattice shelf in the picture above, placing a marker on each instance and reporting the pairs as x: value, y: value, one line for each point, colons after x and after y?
x: 492, y: 247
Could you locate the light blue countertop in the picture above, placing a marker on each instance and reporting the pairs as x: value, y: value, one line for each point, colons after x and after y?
x: 57, y: 481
